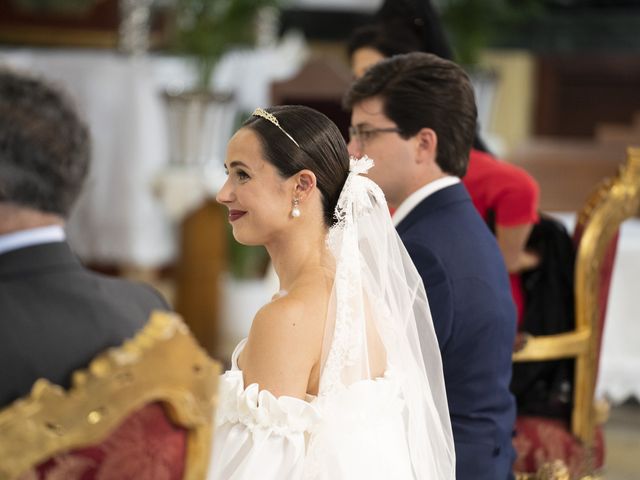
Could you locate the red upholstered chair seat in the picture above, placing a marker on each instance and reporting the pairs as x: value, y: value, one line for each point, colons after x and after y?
x: 541, y: 440
x: 146, y: 446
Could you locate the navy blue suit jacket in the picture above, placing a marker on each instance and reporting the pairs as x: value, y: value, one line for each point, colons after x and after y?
x: 475, y: 322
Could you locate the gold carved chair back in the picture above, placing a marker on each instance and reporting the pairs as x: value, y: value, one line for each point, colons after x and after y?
x: 162, y: 364
x: 616, y: 202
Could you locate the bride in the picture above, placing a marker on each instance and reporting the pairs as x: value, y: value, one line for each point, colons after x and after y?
x: 331, y: 382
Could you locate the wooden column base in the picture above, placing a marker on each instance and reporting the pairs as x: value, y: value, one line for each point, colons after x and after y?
x: 203, y: 253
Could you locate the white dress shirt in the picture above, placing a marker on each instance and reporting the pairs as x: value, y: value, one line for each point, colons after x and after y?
x: 30, y: 237
x: 419, y: 195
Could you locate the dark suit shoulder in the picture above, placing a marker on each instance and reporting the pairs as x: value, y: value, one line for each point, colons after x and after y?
x: 138, y: 292
x: 57, y: 316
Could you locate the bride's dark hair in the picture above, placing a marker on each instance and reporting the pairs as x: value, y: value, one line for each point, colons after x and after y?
x: 322, y: 149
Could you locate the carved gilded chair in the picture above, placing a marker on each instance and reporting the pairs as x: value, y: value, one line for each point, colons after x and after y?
x: 143, y: 410
x: 549, y: 448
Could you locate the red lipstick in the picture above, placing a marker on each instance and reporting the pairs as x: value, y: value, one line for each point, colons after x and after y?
x: 235, y: 215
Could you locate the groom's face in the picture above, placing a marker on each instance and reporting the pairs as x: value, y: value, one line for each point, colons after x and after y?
x: 375, y: 135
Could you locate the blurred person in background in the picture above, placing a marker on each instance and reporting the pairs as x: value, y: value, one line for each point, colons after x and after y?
x: 55, y: 315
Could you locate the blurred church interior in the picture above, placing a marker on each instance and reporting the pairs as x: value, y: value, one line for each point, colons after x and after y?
x: 558, y: 94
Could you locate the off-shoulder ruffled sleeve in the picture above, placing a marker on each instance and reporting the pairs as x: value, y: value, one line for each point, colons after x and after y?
x: 258, y: 435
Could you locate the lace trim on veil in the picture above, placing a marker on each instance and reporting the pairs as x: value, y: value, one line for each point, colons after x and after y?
x: 356, y: 200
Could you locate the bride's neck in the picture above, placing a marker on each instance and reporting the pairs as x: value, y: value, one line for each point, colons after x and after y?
x: 298, y: 255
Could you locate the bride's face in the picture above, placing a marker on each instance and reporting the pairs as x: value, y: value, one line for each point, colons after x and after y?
x: 258, y: 198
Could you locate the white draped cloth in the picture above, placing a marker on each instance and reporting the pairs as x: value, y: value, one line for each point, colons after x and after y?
x: 260, y: 436
x: 121, y: 215
x: 618, y: 379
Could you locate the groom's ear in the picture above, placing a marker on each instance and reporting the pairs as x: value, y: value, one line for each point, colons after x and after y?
x: 305, y: 183
x: 426, y: 145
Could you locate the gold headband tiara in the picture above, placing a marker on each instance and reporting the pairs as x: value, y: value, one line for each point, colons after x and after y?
x: 261, y: 112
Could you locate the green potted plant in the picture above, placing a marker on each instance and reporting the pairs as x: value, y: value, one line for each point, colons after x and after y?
x: 204, y: 30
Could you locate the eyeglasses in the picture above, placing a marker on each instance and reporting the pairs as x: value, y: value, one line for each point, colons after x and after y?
x: 361, y: 135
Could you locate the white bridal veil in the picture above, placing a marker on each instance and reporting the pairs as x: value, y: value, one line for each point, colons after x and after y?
x: 378, y: 299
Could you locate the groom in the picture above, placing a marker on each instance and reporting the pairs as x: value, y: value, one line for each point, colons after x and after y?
x: 415, y: 116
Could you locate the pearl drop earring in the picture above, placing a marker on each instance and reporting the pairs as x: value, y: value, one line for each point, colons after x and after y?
x: 295, y: 211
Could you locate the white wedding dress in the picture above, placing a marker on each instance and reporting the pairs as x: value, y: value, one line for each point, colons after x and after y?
x: 360, y: 425
x: 355, y: 433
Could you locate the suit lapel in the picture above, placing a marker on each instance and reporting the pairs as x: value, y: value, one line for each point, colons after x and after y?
x: 436, y: 201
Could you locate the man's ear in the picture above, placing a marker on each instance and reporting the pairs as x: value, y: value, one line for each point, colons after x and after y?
x: 304, y: 184
x: 426, y: 145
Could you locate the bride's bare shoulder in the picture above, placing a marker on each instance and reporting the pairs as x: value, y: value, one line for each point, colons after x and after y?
x: 304, y: 306
x: 283, y: 346
x: 295, y: 316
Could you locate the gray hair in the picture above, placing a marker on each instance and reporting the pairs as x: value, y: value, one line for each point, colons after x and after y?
x: 44, y: 145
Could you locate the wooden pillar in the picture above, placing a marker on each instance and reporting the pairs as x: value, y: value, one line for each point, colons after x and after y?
x: 203, y: 253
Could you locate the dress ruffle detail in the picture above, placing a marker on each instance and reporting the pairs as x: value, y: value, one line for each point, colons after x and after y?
x: 261, y: 409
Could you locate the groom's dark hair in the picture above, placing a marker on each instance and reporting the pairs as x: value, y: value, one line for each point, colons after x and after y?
x: 321, y: 149
x: 420, y: 90
x: 44, y: 146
